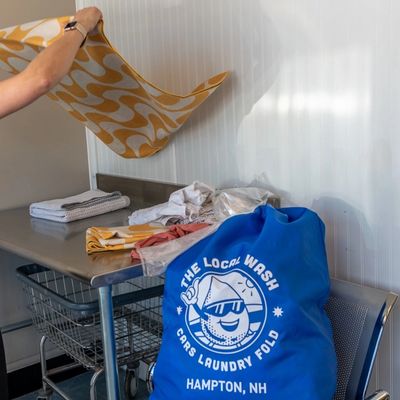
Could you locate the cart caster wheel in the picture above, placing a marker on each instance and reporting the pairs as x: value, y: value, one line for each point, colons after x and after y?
x: 149, y: 377
x: 131, y: 383
x: 45, y: 394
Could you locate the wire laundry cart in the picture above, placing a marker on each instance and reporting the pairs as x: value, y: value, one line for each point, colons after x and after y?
x: 66, y: 312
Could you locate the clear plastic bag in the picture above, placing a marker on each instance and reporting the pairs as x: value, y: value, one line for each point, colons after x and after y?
x: 226, y: 203
x: 156, y: 259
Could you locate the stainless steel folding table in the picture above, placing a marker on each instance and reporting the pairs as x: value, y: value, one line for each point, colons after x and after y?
x: 61, y: 247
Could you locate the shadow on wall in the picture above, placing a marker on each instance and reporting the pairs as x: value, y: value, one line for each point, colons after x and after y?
x: 253, y: 54
x: 249, y: 48
x: 349, y: 241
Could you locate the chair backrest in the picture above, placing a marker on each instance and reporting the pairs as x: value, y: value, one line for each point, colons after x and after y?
x: 358, y: 315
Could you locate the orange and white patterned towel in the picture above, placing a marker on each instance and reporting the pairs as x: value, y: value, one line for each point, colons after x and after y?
x: 129, y: 114
x: 119, y: 237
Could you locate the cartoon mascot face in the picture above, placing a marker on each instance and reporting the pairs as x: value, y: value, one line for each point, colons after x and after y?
x: 224, y: 315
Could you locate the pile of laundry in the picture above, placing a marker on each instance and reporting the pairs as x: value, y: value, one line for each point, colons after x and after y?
x: 99, y: 239
x: 191, y: 204
x: 84, y: 205
x: 190, y: 214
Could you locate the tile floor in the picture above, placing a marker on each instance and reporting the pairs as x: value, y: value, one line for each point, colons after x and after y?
x: 78, y: 389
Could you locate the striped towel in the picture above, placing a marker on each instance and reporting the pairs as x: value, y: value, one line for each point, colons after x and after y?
x: 88, y: 198
x: 120, y: 237
x: 84, y: 205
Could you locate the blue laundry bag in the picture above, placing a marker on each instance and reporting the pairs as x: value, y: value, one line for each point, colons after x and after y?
x: 244, y: 313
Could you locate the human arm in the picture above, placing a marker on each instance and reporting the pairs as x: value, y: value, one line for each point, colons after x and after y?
x: 47, y: 69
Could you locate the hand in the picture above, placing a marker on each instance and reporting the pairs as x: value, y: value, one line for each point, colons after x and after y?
x: 89, y: 17
x: 190, y: 297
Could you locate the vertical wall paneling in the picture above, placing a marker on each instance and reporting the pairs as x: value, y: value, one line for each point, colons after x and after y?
x: 311, y: 110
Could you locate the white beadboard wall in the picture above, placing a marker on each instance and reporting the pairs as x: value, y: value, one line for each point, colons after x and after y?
x: 311, y: 110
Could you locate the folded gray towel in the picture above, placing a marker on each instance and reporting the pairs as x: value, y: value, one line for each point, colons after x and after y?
x: 81, y: 212
x: 88, y: 198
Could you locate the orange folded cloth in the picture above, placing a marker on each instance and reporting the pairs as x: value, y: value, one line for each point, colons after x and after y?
x: 174, y: 232
x: 100, y: 238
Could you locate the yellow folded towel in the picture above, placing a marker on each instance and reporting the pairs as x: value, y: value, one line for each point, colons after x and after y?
x: 119, y: 237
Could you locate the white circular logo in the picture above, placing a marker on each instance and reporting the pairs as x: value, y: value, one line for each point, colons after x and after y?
x: 225, y: 312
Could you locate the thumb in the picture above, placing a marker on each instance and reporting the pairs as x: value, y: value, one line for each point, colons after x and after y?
x: 184, y: 298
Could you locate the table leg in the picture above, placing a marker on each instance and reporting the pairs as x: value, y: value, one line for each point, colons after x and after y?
x: 107, y: 328
x: 3, y: 372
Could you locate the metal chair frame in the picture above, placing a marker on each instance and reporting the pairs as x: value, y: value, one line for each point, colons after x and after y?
x: 378, y: 304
